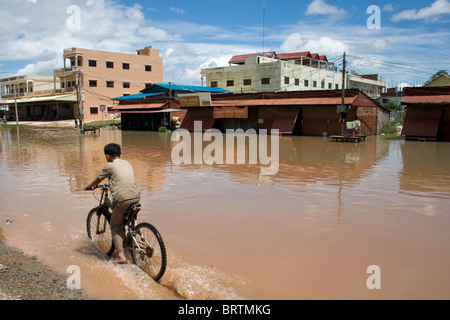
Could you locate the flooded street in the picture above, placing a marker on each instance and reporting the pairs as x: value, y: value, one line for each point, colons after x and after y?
x: 309, y: 232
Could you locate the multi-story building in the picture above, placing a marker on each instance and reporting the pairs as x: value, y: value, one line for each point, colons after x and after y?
x: 27, y: 86
x: 269, y: 72
x: 84, y: 88
x: 100, y: 76
x: 34, y: 97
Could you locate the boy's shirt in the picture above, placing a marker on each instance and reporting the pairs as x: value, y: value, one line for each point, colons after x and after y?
x: 121, y: 180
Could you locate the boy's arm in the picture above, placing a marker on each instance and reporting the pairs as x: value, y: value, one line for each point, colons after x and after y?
x: 93, y: 184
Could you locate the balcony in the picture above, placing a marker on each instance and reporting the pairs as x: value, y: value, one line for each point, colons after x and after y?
x: 62, y: 71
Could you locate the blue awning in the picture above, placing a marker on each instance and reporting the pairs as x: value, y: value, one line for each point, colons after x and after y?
x: 136, y: 96
x: 166, y: 87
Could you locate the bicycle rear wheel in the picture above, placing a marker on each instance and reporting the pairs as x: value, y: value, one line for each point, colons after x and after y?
x: 149, y: 251
x: 99, y: 231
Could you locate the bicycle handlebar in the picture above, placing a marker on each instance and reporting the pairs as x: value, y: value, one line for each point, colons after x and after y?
x: 100, y: 186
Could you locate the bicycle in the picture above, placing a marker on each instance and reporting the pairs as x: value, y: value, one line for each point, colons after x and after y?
x: 142, y: 242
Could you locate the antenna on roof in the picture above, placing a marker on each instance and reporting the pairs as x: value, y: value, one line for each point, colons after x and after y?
x: 264, y: 25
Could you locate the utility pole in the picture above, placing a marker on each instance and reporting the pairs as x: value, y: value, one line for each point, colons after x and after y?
x: 344, y: 108
x: 80, y: 99
x: 15, y: 104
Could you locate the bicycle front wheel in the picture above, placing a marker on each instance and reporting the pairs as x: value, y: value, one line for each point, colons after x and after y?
x: 149, y: 251
x: 99, y: 231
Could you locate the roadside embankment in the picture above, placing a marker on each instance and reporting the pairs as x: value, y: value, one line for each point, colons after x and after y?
x: 23, y: 277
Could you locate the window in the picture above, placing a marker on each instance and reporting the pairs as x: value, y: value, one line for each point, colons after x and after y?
x: 315, y: 84
x: 322, y: 84
x: 94, y: 110
x: 126, y: 85
x: 297, y: 82
x: 110, y: 64
x: 125, y: 66
x: 265, y: 81
x: 337, y: 87
x: 306, y: 83
x: 330, y: 86
x: 110, y: 84
x: 92, y: 63
x: 214, y: 84
x: 93, y: 83
x: 247, y: 82
x: 148, y: 68
x: 230, y: 83
x: 286, y: 80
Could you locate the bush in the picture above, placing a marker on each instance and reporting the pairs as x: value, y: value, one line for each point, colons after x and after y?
x: 393, y: 127
x: 163, y: 129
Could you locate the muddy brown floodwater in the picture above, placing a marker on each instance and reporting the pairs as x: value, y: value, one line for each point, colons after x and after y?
x: 309, y: 232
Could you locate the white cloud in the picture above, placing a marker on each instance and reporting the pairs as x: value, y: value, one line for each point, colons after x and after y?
x: 431, y: 13
x: 177, y: 10
x: 388, y: 7
x: 381, y: 44
x: 37, y: 30
x: 323, y: 45
x: 321, y: 7
x: 293, y: 43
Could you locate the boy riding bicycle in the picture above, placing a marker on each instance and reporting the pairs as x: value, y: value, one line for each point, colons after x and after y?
x: 124, y: 191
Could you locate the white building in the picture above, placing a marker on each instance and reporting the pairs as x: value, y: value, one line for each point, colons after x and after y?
x: 269, y: 72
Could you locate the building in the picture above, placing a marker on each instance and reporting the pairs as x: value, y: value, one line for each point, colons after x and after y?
x: 84, y: 87
x: 272, y: 72
x: 157, y: 106
x: 36, y: 98
x: 307, y: 113
x: 427, y: 113
x: 440, y: 81
x: 101, y: 76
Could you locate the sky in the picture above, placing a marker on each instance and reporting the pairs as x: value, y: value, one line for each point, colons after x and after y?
x: 405, y: 42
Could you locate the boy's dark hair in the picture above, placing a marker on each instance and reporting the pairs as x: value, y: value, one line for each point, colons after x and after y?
x: 113, y: 149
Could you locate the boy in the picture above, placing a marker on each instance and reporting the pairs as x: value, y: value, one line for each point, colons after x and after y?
x: 124, y: 191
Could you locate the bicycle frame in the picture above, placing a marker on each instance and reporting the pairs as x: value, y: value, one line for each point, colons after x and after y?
x: 104, y: 207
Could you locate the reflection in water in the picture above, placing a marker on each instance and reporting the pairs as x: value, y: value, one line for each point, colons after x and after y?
x: 308, y: 232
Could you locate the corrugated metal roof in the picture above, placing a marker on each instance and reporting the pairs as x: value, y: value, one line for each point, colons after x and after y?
x: 294, y: 55
x: 241, y: 58
x: 166, y: 87
x: 140, y: 106
x: 136, y: 96
x: 62, y: 98
x: 433, y: 99
x: 285, y: 101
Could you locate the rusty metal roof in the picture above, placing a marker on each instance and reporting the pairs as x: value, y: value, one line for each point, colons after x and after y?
x: 284, y: 102
x: 438, y: 99
x: 139, y: 106
x: 426, y: 95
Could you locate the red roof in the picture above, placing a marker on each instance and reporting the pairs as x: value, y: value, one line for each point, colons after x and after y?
x: 241, y: 58
x: 295, y: 55
x: 283, y: 56
x: 426, y: 95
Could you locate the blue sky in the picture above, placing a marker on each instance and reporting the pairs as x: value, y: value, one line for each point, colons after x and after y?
x: 409, y: 44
